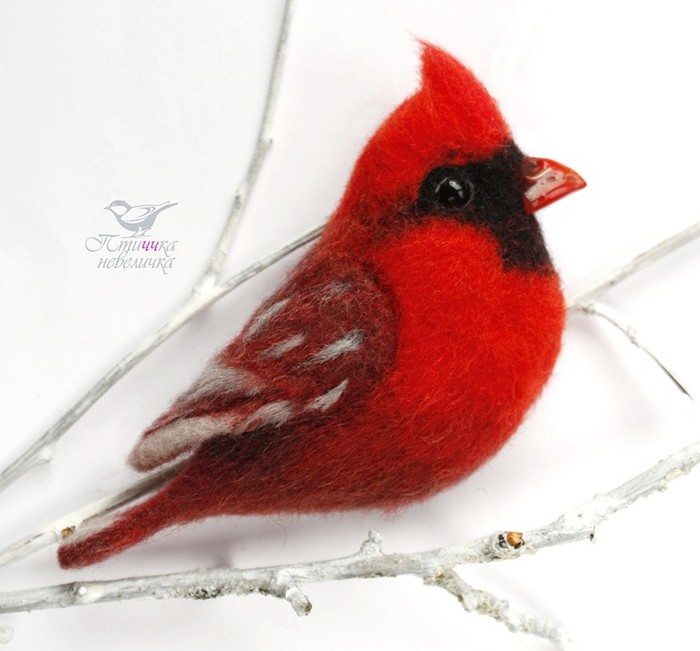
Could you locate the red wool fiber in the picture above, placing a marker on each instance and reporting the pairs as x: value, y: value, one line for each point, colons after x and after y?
x: 398, y: 356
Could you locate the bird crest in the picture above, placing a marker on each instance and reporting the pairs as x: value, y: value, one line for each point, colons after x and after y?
x: 450, y: 118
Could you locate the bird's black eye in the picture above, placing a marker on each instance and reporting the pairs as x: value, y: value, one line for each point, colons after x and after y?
x: 445, y: 188
x: 452, y: 193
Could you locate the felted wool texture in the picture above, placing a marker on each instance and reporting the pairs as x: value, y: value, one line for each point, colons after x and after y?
x: 397, y: 357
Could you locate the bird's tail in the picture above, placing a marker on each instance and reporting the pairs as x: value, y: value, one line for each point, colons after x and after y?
x: 101, y: 539
x: 206, y: 484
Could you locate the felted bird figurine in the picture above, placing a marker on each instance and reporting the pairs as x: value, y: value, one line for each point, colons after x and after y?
x: 139, y: 219
x: 398, y: 356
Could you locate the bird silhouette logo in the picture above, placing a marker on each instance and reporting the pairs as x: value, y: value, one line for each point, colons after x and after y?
x: 138, y: 219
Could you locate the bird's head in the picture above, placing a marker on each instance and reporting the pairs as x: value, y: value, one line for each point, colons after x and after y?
x: 118, y: 208
x: 447, y: 151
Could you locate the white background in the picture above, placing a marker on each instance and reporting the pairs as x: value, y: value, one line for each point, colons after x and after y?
x: 149, y: 102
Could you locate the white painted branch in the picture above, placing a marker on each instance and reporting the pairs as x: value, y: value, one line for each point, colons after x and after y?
x: 434, y: 566
x: 206, y: 292
x: 284, y: 583
x: 611, y: 316
x: 262, y: 146
x: 635, y: 264
x: 485, y: 603
x: 580, y: 523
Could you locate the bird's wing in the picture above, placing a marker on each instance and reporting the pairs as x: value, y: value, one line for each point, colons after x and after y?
x: 311, y: 350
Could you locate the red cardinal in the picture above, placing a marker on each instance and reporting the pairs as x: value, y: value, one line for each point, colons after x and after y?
x: 400, y: 354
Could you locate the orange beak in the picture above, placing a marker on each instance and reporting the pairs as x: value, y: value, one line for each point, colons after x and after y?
x: 546, y: 181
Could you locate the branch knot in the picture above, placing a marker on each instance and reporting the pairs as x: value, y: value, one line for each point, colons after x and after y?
x: 372, y: 545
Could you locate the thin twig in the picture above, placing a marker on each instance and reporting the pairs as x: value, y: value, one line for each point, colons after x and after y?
x: 635, y: 264
x: 485, y: 603
x: 205, y: 292
x: 611, y: 316
x: 262, y: 146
